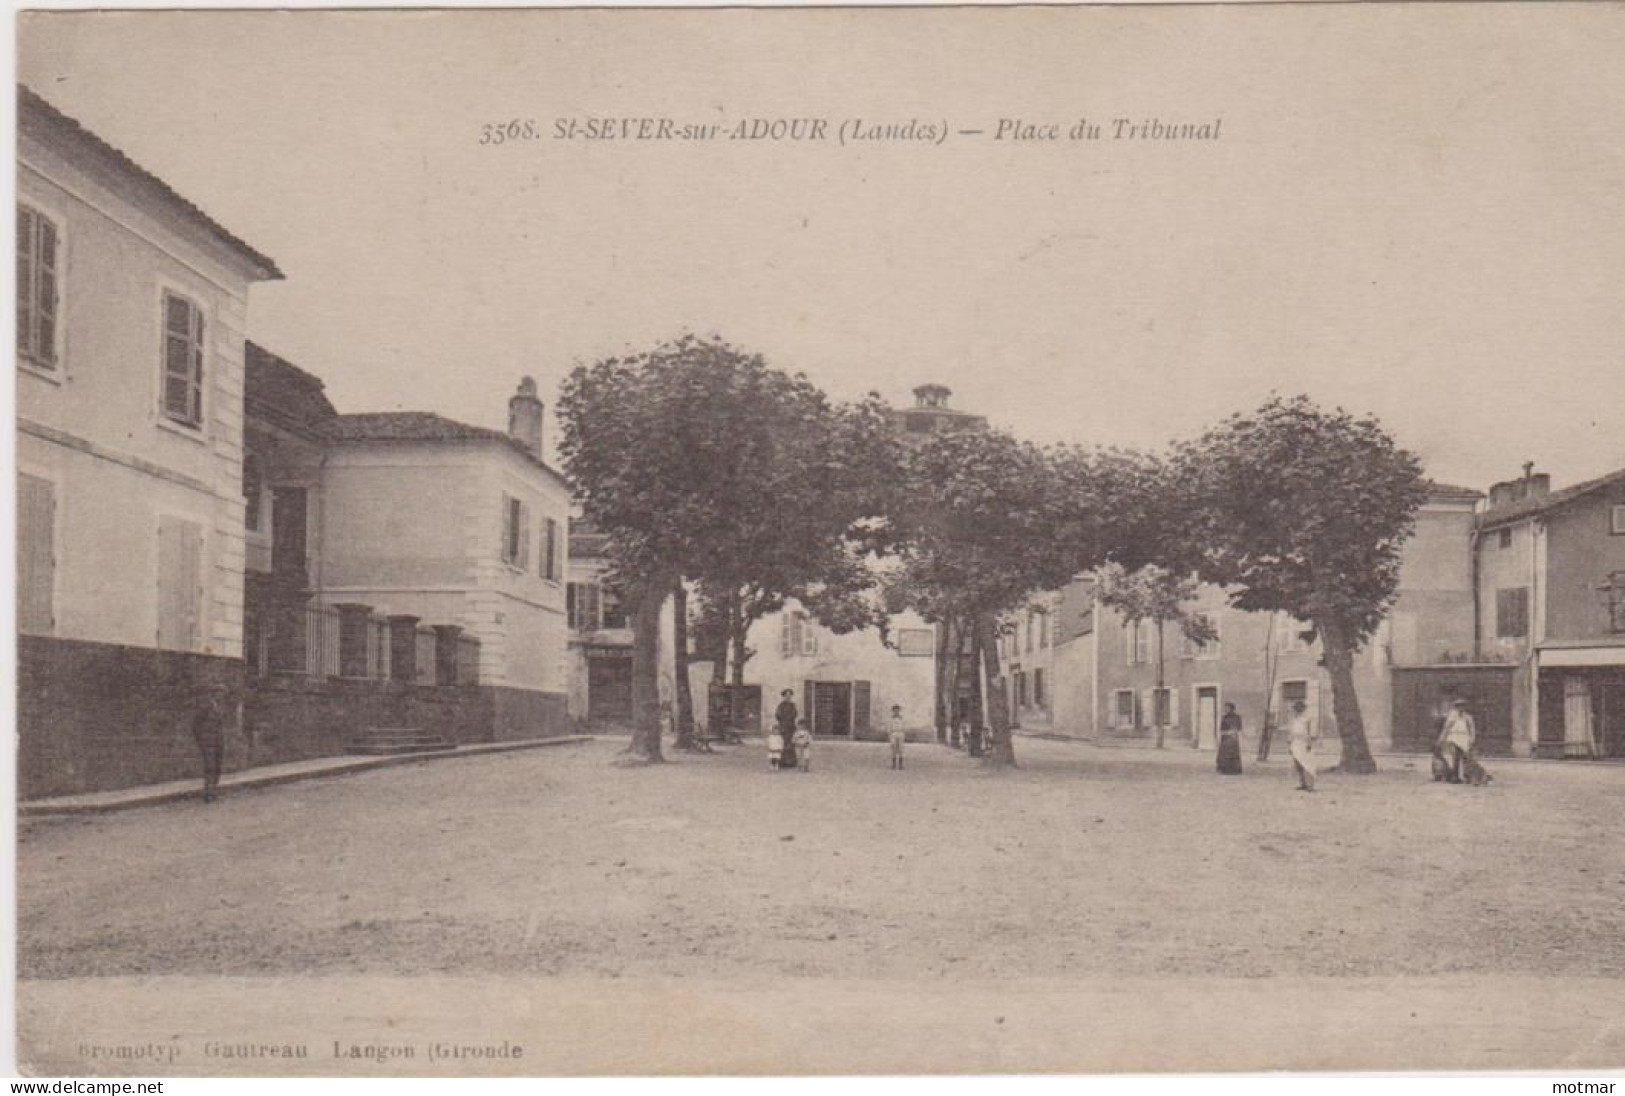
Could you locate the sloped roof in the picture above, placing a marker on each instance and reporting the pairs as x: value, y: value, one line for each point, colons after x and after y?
x: 419, y: 426
x: 1437, y: 490
x: 40, y: 119
x: 1529, y: 507
x: 277, y: 390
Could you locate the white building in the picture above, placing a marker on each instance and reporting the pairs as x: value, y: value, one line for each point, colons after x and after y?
x: 130, y: 325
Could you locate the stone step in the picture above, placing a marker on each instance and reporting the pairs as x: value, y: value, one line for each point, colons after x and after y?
x: 371, y: 749
x: 387, y: 741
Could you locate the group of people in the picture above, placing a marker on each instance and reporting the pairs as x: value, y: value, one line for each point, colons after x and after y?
x: 1301, y: 738
x: 789, y: 741
x: 1454, y: 759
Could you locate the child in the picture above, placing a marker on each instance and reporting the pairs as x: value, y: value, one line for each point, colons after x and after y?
x: 775, y: 747
x: 803, y: 741
x: 896, y: 735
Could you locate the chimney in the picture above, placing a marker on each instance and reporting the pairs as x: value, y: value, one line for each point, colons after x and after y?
x: 525, y: 417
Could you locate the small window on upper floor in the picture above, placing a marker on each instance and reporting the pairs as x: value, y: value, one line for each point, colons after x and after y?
x: 36, y: 288
x: 1616, y: 520
x: 183, y: 361
x: 1504, y: 538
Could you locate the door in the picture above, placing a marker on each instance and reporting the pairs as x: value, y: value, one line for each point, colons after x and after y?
x: 609, y: 690
x: 832, y: 708
x: 1611, y: 717
x: 1207, y: 717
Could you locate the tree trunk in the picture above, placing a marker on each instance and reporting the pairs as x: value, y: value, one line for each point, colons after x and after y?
x: 736, y: 636
x: 1003, y: 750
x: 1267, y: 732
x: 1156, y: 713
x: 977, y: 721
x: 944, y: 704
x: 1339, y: 661
x: 956, y: 651
x: 685, y: 696
x: 650, y: 598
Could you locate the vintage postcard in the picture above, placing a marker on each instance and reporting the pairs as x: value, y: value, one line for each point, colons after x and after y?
x: 821, y: 541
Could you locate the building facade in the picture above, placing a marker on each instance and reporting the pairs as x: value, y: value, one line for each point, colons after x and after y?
x: 131, y: 548
x: 1550, y: 588
x: 1104, y: 670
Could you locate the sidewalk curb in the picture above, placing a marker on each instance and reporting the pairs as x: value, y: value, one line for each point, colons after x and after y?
x: 268, y: 776
x: 1147, y: 744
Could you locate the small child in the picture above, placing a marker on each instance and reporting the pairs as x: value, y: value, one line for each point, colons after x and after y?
x: 775, y: 747
x: 803, y: 740
x: 896, y: 735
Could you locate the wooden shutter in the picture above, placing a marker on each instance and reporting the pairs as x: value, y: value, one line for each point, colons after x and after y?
x: 550, y: 542
x: 25, y: 279
x: 860, y: 708
x: 1148, y: 708
x: 180, y: 575
x: 1173, y: 707
x: 36, y: 286
x: 785, y: 650
x: 36, y: 554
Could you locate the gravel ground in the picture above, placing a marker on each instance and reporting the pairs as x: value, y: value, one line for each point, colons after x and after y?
x: 1085, y: 863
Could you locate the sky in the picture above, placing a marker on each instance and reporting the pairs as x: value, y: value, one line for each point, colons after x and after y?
x: 1411, y: 211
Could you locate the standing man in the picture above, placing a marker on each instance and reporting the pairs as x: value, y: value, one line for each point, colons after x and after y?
x: 1301, y: 736
x: 896, y: 735
x: 784, y: 719
x: 209, y: 720
x: 1457, y: 739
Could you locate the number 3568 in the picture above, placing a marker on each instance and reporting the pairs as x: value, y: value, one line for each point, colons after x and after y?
x: 501, y: 133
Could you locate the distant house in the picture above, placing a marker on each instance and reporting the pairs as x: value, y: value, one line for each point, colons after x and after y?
x: 1550, y: 569
x: 431, y: 522
x: 131, y: 309
x: 1104, y: 670
x: 600, y: 644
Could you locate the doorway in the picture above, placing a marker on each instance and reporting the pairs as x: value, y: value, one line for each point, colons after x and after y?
x: 830, y: 703
x: 1207, y: 717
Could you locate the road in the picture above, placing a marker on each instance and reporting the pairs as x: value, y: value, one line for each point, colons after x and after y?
x: 1202, y: 920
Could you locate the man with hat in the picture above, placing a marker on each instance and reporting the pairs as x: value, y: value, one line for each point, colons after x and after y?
x: 1457, y: 737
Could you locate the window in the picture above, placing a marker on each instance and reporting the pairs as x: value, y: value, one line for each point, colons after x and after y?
x: 1162, y: 707
x: 1137, y: 640
x: 1043, y: 630
x: 916, y: 642
x: 612, y: 611
x: 581, y: 604
x: 515, y: 532
x: 1125, y: 708
x: 253, y: 494
x: 1291, y: 693
x: 1616, y: 601
x: 180, y: 584
x: 1038, y: 688
x: 36, y: 555
x: 797, y: 636
x: 183, y: 361
x: 1512, y: 613
x: 1616, y: 520
x: 36, y: 287
x: 1290, y: 633
x: 1021, y: 689
x: 1032, y: 620
x: 1503, y: 539
x: 1190, y: 648
x: 550, y: 549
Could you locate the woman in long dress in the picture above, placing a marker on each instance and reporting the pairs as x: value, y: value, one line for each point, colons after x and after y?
x: 1230, y: 742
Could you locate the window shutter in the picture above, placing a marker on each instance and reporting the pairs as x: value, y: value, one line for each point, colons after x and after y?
x: 550, y: 538
x: 785, y: 649
x: 1148, y: 708
x: 36, y: 554
x: 180, y: 573
x: 25, y: 279
x: 1173, y: 707
x: 860, y: 707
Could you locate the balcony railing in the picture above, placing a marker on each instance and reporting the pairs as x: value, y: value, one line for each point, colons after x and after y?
x: 351, y: 642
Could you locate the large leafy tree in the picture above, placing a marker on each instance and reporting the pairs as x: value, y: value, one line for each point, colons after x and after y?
x: 985, y: 521
x: 1302, y: 510
x: 702, y: 464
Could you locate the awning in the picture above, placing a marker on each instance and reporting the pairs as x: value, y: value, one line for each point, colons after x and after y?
x: 1577, y: 657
